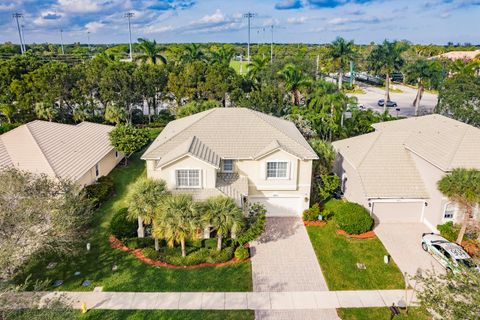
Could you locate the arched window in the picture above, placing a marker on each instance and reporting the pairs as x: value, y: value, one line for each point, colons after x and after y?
x: 450, y: 211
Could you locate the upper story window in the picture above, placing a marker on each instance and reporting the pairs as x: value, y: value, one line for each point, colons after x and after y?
x: 227, y: 166
x: 97, y: 170
x: 188, y: 178
x: 277, y: 169
x: 450, y: 210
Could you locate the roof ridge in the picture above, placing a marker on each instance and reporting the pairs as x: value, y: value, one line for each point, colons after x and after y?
x: 41, y: 150
x: 369, y: 149
x: 277, y: 129
x: 207, y: 112
x: 454, y: 153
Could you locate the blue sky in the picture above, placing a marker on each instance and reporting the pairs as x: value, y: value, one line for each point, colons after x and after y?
x: 310, y: 21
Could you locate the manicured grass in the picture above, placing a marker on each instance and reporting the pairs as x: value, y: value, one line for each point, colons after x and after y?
x: 168, y: 314
x: 236, y: 65
x: 338, y: 256
x: 380, y: 314
x: 131, y: 275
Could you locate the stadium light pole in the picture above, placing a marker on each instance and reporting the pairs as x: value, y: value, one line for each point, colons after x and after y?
x: 88, y: 39
x: 22, y: 28
x: 129, y: 15
x: 249, y: 16
x: 17, y: 15
x: 61, y: 41
x: 271, y: 46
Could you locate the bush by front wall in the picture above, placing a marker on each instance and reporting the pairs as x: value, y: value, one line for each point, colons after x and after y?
x: 253, y: 231
x: 121, y: 227
x: 100, y: 190
x: 241, y: 253
x: 312, y: 213
x: 353, y: 218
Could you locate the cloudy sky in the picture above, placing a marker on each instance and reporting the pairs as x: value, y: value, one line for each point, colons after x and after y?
x: 311, y: 21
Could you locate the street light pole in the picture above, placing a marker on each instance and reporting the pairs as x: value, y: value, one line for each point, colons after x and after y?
x: 17, y: 15
x: 129, y: 15
x: 248, y: 15
x: 271, y: 46
x: 88, y: 39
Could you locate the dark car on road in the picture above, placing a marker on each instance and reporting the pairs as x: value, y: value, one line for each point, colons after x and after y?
x: 390, y: 103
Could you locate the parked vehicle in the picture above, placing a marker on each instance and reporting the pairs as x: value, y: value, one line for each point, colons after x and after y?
x: 390, y: 103
x: 450, y: 255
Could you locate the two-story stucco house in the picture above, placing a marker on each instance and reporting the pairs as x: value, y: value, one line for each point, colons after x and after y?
x: 394, y: 170
x: 238, y: 152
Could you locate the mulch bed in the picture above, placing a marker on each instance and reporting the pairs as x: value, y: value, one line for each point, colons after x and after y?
x: 137, y: 253
x: 366, y: 235
x: 314, y: 223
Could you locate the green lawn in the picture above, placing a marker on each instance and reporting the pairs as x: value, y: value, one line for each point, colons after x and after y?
x: 168, y: 314
x: 236, y: 65
x: 338, y: 256
x: 380, y: 314
x: 132, y: 275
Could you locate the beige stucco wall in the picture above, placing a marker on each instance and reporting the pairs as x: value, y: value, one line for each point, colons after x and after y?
x: 296, y: 184
x: 353, y: 191
x: 207, y: 172
x: 105, y: 166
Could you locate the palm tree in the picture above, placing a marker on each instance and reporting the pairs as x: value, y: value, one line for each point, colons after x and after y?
x: 256, y: 66
x: 7, y: 110
x: 222, y: 56
x: 294, y: 80
x: 463, y: 187
x: 114, y: 113
x: 223, y: 215
x: 192, y: 52
x: 341, y: 52
x: 384, y: 59
x: 176, y: 220
x: 151, y: 52
x: 143, y: 200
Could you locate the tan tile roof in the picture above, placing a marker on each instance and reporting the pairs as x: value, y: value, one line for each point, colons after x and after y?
x: 384, y: 161
x: 231, y: 133
x: 194, y: 147
x: 58, y: 150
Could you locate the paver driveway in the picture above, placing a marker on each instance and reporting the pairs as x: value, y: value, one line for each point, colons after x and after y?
x: 283, y: 258
x: 403, y: 242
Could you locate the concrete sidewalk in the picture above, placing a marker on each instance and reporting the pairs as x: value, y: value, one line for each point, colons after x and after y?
x: 314, y: 300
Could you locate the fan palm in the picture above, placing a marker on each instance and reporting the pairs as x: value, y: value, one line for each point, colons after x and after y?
x: 257, y: 65
x: 463, y: 187
x: 222, y: 56
x: 143, y: 200
x: 341, y: 52
x: 192, y: 53
x: 294, y: 80
x: 151, y: 52
x: 384, y: 59
x: 176, y: 221
x: 223, y: 215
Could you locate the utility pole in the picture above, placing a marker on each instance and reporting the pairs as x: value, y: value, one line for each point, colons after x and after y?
x: 17, y: 15
x: 88, y: 40
x: 271, y: 46
x: 129, y: 15
x: 22, y: 28
x: 249, y: 16
x: 61, y: 41
x: 317, y: 67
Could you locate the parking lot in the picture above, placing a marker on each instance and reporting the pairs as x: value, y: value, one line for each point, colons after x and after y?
x: 404, y: 100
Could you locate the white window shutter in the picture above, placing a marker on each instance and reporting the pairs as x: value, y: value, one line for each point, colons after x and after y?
x: 289, y: 170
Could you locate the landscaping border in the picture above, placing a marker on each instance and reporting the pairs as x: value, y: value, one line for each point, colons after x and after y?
x: 137, y: 253
x: 314, y: 223
x: 366, y: 235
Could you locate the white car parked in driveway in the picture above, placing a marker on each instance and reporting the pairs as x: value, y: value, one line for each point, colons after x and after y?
x: 450, y: 255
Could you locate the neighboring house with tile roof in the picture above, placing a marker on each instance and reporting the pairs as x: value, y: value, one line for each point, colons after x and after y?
x: 81, y: 152
x: 238, y: 152
x: 394, y: 170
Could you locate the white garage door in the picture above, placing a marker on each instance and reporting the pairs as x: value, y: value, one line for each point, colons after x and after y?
x: 280, y: 206
x: 397, y: 212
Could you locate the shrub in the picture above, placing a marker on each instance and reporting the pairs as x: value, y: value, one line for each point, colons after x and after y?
x: 254, y: 229
x: 4, y: 127
x: 220, y: 256
x: 450, y: 232
x: 150, y: 253
x: 472, y: 247
x: 210, y: 243
x: 353, y: 218
x: 121, y: 227
x: 242, y: 253
x: 100, y: 190
x: 334, y: 205
x: 327, y: 214
x: 136, y: 243
x: 312, y: 213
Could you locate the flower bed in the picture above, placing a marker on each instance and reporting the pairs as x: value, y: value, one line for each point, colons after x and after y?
x: 366, y: 235
x: 317, y: 223
x: 117, y: 244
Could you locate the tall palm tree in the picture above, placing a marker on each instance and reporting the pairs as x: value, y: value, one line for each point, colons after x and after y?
x: 151, y: 52
x: 143, y: 200
x: 384, y: 59
x: 256, y: 66
x: 341, y: 52
x: 222, y: 56
x: 294, y: 80
x: 463, y: 187
x: 223, y: 215
x: 176, y: 220
x: 192, y: 52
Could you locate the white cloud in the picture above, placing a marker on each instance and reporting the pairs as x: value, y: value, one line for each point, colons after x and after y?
x: 157, y: 29
x: 216, y: 17
x: 94, y: 26
x: 297, y: 20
